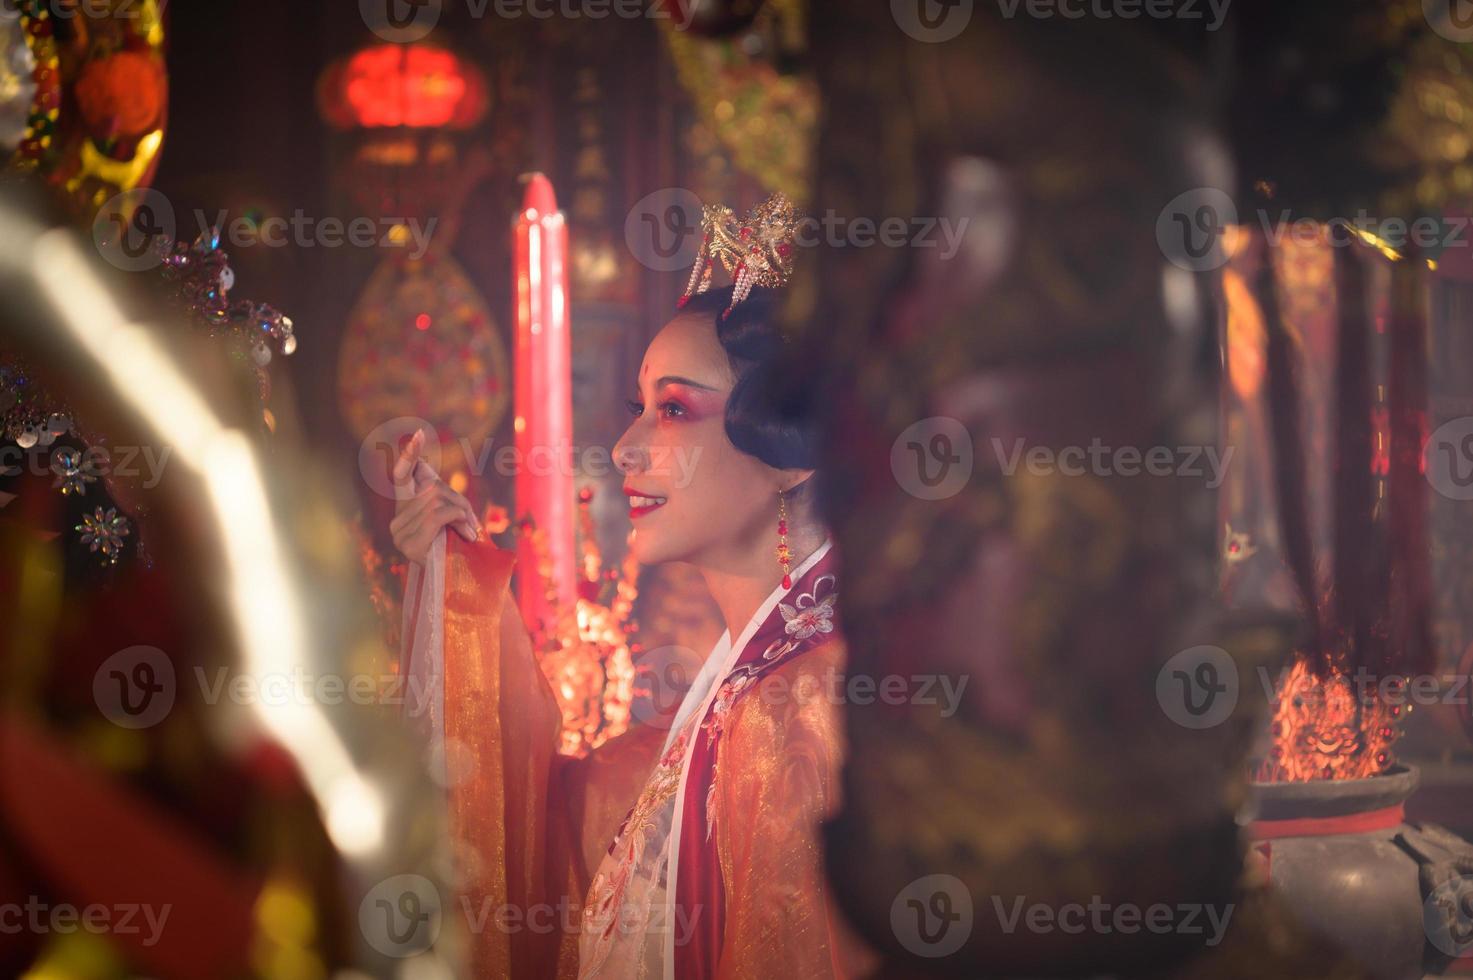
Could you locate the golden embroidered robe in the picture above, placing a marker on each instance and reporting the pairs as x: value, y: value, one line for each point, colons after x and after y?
x: 692, y: 852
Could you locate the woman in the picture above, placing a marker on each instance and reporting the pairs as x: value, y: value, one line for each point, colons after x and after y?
x: 699, y: 847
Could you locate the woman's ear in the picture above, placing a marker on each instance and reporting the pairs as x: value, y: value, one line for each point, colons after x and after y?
x: 795, y: 479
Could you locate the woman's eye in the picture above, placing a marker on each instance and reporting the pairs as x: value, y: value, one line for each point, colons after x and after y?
x: 667, y: 410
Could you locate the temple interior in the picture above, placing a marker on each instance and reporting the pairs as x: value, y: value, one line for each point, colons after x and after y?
x: 736, y: 488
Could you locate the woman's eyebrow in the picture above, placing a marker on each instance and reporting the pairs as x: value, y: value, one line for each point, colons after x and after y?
x: 675, y: 379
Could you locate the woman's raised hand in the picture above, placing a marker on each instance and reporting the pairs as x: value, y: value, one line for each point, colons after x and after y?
x: 425, y: 505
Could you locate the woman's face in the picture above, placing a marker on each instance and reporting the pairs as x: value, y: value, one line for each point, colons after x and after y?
x: 693, y: 496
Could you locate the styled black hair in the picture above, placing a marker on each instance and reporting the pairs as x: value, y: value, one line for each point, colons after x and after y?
x: 766, y: 415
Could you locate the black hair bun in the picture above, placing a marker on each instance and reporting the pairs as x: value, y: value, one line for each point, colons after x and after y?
x: 766, y: 416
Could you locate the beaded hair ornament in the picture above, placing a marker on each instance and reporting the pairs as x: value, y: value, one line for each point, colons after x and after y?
x: 756, y: 250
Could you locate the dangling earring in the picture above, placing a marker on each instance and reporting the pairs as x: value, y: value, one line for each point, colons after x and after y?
x: 783, y: 557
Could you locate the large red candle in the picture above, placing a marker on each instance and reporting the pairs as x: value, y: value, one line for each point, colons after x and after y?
x: 544, y: 402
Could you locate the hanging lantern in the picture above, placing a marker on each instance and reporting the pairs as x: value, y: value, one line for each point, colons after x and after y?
x: 403, y: 103
x: 416, y: 86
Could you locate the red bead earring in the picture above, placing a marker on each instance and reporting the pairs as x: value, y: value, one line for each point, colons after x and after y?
x: 783, y: 556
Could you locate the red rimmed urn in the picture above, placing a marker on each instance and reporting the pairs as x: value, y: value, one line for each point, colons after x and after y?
x: 1397, y: 896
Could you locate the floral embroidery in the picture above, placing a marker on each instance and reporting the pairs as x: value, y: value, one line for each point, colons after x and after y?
x: 803, y: 623
x: 711, y: 805
x: 810, y: 614
x: 809, y: 617
x: 662, y: 785
x: 726, y: 695
x: 628, y: 853
x: 634, y: 870
x: 778, y: 649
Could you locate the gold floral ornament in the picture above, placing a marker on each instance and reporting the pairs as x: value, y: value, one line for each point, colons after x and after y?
x: 747, y: 94
x: 755, y: 251
x: 587, y: 651
x: 91, y: 85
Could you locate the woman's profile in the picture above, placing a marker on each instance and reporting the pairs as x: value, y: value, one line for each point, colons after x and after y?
x: 691, y: 851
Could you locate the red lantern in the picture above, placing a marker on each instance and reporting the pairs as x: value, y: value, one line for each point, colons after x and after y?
x: 122, y: 94
x: 402, y: 85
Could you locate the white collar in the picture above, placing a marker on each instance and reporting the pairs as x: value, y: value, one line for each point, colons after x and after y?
x: 724, y: 654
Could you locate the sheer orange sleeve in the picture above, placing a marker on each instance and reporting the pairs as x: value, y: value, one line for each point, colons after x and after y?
x: 777, y: 780
x: 501, y: 725
x: 525, y: 822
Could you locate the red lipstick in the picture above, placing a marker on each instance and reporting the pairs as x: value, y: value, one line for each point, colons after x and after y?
x: 641, y: 503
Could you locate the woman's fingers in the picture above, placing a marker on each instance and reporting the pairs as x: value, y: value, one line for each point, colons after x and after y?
x: 473, y: 525
x: 403, y: 473
x: 434, y: 508
x: 421, y: 516
x: 412, y: 510
x: 412, y: 527
x: 472, y: 522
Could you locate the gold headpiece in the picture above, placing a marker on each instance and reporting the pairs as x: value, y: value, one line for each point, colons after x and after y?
x: 756, y: 250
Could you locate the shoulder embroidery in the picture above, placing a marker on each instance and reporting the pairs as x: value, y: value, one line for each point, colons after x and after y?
x: 810, y: 616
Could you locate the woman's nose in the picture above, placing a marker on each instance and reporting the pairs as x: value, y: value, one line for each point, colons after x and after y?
x: 630, y: 458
